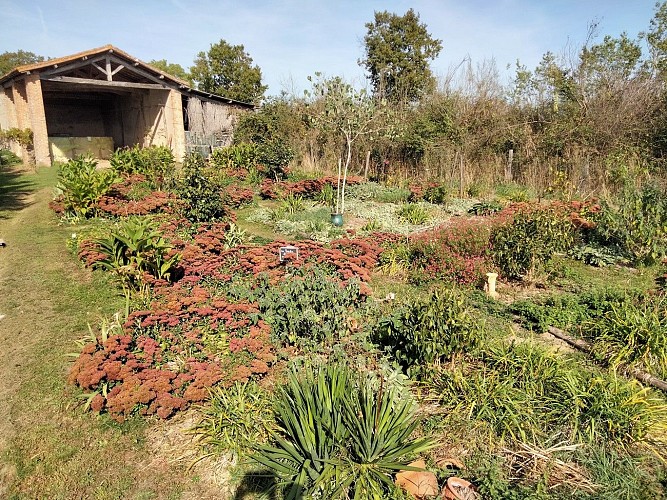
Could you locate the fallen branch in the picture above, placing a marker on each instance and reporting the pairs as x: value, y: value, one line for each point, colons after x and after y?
x: 582, y: 345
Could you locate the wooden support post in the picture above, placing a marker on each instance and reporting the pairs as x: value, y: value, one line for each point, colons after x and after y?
x: 461, y: 176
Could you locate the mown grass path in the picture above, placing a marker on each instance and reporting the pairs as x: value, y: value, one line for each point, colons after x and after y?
x: 49, y: 446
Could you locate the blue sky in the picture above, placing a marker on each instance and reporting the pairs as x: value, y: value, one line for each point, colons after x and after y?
x: 291, y: 39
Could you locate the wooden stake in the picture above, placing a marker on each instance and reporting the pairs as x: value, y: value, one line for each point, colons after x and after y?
x: 461, y: 176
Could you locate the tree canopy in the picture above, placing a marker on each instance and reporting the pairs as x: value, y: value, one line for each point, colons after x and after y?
x: 227, y: 70
x: 172, y: 69
x: 398, y: 52
x: 10, y: 60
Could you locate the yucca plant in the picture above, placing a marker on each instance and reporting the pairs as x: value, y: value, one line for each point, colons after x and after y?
x: 338, y: 437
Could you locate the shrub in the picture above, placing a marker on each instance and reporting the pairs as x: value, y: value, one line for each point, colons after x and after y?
x: 202, y: 196
x: 522, y: 247
x: 437, y: 195
x: 82, y: 185
x: 636, y: 224
x: 275, y: 155
x: 7, y: 158
x: 339, y: 437
x: 155, y: 162
x: 238, y: 156
x: 421, y: 332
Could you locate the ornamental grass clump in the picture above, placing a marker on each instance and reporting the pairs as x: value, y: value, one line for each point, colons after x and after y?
x: 339, y: 436
x: 524, y: 392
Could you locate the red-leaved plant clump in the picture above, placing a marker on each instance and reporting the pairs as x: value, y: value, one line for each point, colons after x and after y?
x: 308, y: 188
x: 192, y: 336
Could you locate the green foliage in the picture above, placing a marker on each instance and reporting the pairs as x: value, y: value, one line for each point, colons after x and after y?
x: 634, y: 332
x: 522, y: 248
x: 7, y: 158
x: 636, y: 224
x: 512, y: 192
x: 172, y: 69
x: 327, y: 196
x: 240, y: 155
x: 134, y: 247
x: 524, y: 392
x: 155, y: 162
x: 594, y: 256
x: 340, y: 437
x: 566, y: 311
x: 421, y: 332
x: 413, y: 213
x: 485, y: 208
x: 10, y: 60
x: 202, y: 196
x: 234, y: 236
x: 237, y: 418
x: 378, y: 192
x: 438, y: 195
x: 82, y: 185
x: 275, y: 155
x: 397, y: 54
x: 227, y: 70
x: 292, y: 204
x: 310, y: 308
x: 23, y: 137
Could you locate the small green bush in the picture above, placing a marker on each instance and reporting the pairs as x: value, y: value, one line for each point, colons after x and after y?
x: 421, y: 332
x: 236, y: 418
x: 633, y: 332
x: 524, y: 246
x: 7, y: 158
x: 437, y: 195
x: 238, y: 156
x: 82, y: 185
x: 310, y: 308
x: 155, y: 162
x: 203, y: 199
x: 636, y: 224
x: 275, y: 155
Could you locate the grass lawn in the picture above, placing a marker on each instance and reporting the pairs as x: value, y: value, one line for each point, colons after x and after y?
x: 49, y: 446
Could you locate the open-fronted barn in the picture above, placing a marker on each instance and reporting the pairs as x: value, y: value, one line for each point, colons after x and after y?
x: 102, y: 99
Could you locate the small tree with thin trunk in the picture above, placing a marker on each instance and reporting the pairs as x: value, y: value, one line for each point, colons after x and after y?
x: 348, y: 113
